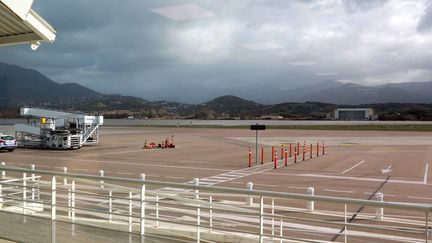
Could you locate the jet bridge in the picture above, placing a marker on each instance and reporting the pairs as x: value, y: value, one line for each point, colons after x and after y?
x: 53, y: 129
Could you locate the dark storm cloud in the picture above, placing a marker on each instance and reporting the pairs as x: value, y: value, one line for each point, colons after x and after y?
x: 425, y: 23
x: 240, y: 46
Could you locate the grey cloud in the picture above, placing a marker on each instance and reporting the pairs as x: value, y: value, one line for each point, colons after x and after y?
x: 123, y: 47
x: 425, y: 22
x: 358, y: 6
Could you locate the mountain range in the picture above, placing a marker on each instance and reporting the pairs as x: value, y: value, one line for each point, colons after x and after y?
x: 20, y: 86
x: 27, y: 87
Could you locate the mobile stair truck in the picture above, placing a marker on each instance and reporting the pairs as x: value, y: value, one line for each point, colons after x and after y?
x: 51, y: 129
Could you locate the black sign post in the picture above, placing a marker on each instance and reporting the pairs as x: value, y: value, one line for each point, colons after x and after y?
x: 257, y: 127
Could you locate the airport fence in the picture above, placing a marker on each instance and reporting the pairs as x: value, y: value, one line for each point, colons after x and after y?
x: 194, y: 212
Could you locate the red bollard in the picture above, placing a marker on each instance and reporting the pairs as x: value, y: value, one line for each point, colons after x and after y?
x: 317, y: 149
x: 295, y: 156
x: 298, y: 148
x: 286, y: 157
x: 290, y: 154
x: 323, y: 147
x: 275, y: 160
x: 282, y: 151
x: 310, y: 151
x: 250, y: 158
x: 304, y: 151
x: 262, y: 154
x: 272, y: 154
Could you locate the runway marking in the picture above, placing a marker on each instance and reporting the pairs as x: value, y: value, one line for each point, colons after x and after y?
x: 266, y: 185
x: 174, y: 177
x: 130, y: 163
x: 425, y: 198
x: 296, y: 187
x: 385, y: 195
x: 345, y: 171
x: 153, y: 175
x: 330, y: 190
x: 81, y: 170
x: 117, y: 152
x: 44, y: 166
x: 123, y: 173
x: 426, y: 173
x: 226, y: 177
x: 349, y: 178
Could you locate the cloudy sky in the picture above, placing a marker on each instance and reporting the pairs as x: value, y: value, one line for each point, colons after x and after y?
x: 192, y: 51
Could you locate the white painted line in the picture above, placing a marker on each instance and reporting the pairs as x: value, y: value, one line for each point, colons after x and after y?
x: 385, y: 195
x: 123, y: 173
x: 330, y: 190
x: 426, y: 173
x: 235, y: 174
x: 345, y: 178
x: 205, y: 183
x: 152, y: 175
x: 296, y: 187
x: 266, y: 185
x: 81, y: 170
x: 209, y: 179
x: 345, y: 171
x: 222, y: 178
x: 117, y: 152
x: 174, y: 177
x: 43, y: 166
x: 130, y: 163
x: 424, y: 198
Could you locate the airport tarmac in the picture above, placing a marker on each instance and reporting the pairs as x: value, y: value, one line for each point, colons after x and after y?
x: 355, y: 165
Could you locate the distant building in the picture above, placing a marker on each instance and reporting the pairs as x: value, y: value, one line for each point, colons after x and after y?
x: 354, y: 114
x: 271, y: 117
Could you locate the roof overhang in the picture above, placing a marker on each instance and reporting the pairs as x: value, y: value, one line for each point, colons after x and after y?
x: 19, y: 24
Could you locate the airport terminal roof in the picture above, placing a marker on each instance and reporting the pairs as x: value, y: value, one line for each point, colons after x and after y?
x: 19, y: 24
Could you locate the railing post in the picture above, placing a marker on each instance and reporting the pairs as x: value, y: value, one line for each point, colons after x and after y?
x: 379, y: 212
x: 1, y: 196
x: 272, y: 213
x: 73, y: 200
x: 196, y: 183
x: 69, y: 192
x: 3, y: 172
x: 101, y: 174
x: 249, y: 199
x: 211, y: 212
x: 24, y: 192
x: 110, y: 206
x: 281, y: 230
x: 142, y: 206
x: 53, y: 198
x: 261, y: 221
x: 427, y: 230
x: 33, y: 179
x: 311, y: 204
x: 345, y: 223
x: 64, y: 178
x: 157, y: 211
x: 130, y: 213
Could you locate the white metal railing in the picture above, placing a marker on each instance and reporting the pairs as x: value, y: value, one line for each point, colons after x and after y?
x: 208, y: 213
